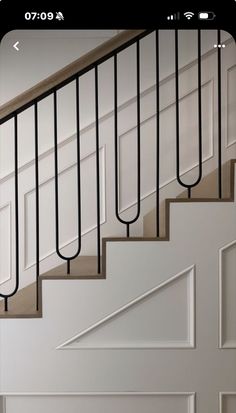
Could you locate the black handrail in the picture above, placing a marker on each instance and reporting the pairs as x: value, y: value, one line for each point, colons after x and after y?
x: 80, y: 73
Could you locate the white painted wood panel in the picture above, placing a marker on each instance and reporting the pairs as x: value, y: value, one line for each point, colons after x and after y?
x: 231, y: 105
x: 227, y: 288
x: 104, y: 403
x: 5, y: 243
x: 139, y: 323
x: 228, y: 402
x: 188, y: 148
x: 68, y: 223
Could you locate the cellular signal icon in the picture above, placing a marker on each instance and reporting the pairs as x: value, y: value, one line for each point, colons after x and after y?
x: 188, y: 15
x: 175, y: 16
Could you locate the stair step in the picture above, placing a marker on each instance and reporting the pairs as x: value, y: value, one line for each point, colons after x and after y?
x: 23, y: 303
x: 81, y: 267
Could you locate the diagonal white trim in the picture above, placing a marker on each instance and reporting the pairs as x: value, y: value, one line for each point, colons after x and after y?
x: 138, y: 299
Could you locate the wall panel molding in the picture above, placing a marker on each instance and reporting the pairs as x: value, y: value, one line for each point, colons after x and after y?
x: 109, y: 114
x: 147, y: 343
x: 98, y: 396
x: 9, y: 243
x: 102, y: 151
x: 229, y: 140
x: 222, y: 398
x: 226, y: 269
x: 149, y: 118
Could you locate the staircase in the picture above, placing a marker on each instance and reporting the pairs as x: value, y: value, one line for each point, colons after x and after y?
x: 84, y: 268
x: 23, y: 303
x: 136, y: 282
x: 49, y: 233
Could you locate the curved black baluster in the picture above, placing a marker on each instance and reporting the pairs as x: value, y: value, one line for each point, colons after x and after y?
x: 97, y: 173
x: 36, y: 202
x: 123, y: 221
x: 68, y: 258
x: 157, y: 137
x: 6, y: 296
x: 188, y: 186
x: 219, y: 117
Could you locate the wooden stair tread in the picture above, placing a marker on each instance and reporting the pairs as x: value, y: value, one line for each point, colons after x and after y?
x: 22, y: 304
x: 80, y: 268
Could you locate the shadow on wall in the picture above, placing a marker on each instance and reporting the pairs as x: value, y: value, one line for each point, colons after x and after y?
x: 2, y: 404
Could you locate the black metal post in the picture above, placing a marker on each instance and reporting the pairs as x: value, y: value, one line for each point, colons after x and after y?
x: 97, y: 173
x: 219, y: 117
x: 37, y: 202
x: 157, y: 137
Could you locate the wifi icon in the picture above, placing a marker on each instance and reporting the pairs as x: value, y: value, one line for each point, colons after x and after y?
x: 188, y: 15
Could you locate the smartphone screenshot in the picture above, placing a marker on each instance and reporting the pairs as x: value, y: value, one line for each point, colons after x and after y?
x: 117, y: 208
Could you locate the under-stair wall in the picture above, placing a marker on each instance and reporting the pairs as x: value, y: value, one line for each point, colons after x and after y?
x: 117, y: 351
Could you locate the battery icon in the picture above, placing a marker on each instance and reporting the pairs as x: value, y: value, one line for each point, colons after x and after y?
x: 206, y: 15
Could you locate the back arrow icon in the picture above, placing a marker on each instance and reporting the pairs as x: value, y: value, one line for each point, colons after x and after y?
x: 15, y: 46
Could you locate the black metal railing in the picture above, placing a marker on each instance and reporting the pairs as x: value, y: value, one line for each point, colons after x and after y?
x: 126, y: 222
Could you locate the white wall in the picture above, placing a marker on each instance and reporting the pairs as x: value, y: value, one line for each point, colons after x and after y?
x: 127, y: 136
x: 42, y: 52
